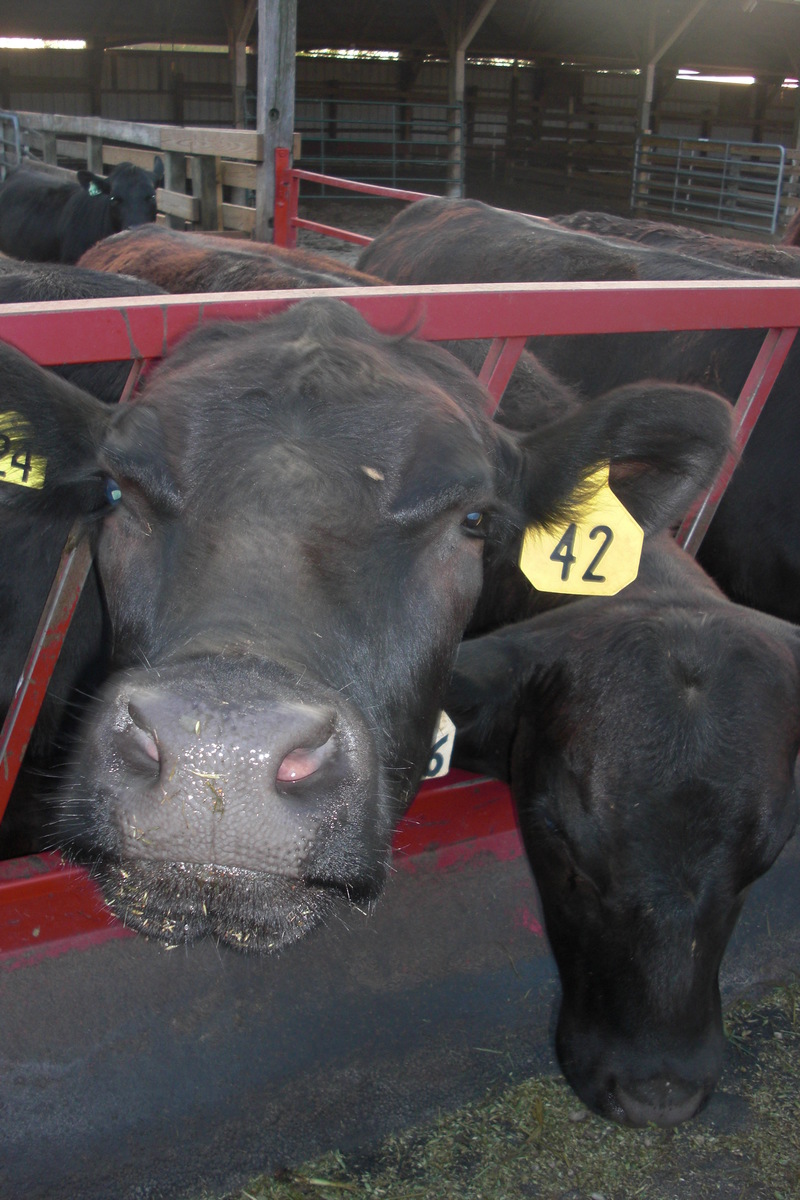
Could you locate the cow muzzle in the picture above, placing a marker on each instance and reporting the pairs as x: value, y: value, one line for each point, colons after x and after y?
x: 223, y: 805
x: 661, y: 1078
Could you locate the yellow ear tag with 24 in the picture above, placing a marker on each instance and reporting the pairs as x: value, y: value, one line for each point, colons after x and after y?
x: 18, y: 462
x: 597, y: 554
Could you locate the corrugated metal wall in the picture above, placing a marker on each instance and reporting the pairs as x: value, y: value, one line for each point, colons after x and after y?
x: 194, y: 88
x: 517, y: 118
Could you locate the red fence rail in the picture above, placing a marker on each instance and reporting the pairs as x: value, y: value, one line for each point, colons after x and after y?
x: 145, y: 328
x: 287, y: 194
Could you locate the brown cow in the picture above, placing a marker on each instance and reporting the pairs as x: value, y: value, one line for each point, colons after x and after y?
x: 194, y: 262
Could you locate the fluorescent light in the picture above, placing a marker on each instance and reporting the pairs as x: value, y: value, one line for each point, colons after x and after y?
x: 686, y: 73
x: 18, y: 43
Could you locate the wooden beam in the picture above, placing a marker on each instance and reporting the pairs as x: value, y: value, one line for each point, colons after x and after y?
x: 480, y: 16
x: 112, y: 155
x: 239, y: 175
x: 246, y: 21
x: 177, y: 204
x: 233, y: 143
x: 458, y: 36
x: 238, y: 217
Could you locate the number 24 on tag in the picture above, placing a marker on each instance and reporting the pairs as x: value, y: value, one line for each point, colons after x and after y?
x: 596, y: 554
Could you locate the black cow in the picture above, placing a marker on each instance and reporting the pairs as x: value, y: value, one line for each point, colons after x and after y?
x: 466, y: 241
x: 47, y: 219
x: 735, y: 252
x: 21, y: 283
x: 650, y: 742
x: 753, y: 546
x: 294, y: 558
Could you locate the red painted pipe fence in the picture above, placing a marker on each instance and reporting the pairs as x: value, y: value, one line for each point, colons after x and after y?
x: 41, y: 902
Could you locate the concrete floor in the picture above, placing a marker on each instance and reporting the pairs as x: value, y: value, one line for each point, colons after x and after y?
x: 130, y: 1071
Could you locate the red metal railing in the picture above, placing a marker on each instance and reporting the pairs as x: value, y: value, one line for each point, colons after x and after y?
x: 286, y: 221
x: 144, y: 328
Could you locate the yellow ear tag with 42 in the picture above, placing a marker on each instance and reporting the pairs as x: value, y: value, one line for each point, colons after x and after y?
x: 597, y: 554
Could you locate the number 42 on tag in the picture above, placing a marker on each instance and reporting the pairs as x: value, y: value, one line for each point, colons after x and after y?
x: 596, y: 554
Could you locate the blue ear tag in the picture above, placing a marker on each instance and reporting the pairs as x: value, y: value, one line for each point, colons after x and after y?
x: 94, y: 190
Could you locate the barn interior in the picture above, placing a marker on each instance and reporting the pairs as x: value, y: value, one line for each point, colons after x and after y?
x: 137, y: 1073
x: 546, y: 95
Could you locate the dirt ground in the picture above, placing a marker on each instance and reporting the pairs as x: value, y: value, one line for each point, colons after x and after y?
x: 534, y: 1140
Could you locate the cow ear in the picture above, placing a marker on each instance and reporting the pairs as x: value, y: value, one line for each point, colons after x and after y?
x: 158, y: 171
x: 488, y: 686
x: 663, y: 443
x: 481, y: 701
x: 134, y: 452
x: 93, y: 183
x: 50, y: 435
x: 515, y: 676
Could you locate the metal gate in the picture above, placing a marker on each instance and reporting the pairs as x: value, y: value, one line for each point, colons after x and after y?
x: 392, y: 143
x: 725, y: 183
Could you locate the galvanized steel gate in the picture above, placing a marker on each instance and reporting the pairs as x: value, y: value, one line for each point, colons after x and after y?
x: 736, y: 184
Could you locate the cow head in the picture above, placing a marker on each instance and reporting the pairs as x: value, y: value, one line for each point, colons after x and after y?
x: 131, y: 192
x: 650, y: 742
x: 296, y: 553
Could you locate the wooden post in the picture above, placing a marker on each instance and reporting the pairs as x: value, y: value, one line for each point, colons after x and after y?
x: 94, y: 154
x: 94, y: 74
x: 175, y: 181
x: 239, y: 17
x: 455, y: 154
x: 458, y: 38
x: 49, y: 150
x: 207, y: 186
x: 654, y: 55
x: 277, y: 40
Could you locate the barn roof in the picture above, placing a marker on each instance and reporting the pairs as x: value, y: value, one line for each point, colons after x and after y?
x: 762, y: 36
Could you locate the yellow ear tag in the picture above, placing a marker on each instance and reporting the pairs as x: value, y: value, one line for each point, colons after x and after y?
x: 597, y: 554
x: 18, y: 463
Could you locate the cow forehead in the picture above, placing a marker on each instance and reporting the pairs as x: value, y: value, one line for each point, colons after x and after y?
x: 371, y: 405
x: 685, y: 664
x: 674, y: 717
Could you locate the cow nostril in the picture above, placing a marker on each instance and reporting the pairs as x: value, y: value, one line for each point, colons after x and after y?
x: 305, y: 761
x: 137, y: 742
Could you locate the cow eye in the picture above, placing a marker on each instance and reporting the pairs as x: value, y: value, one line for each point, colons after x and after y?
x: 114, y: 199
x: 476, y: 524
x: 113, y: 492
